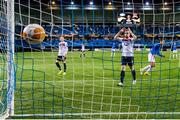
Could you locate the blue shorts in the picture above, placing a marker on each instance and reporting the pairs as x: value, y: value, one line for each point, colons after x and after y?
x: 127, y: 61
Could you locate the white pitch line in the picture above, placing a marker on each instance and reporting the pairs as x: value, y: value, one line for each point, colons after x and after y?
x: 102, y: 113
x: 80, y: 81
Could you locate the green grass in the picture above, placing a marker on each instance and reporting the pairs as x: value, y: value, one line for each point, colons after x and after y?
x: 90, y: 86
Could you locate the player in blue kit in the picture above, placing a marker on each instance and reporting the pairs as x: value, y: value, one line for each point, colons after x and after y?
x: 155, y: 50
x: 113, y: 49
x: 126, y: 36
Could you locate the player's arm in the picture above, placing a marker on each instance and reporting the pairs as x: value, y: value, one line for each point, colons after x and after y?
x: 133, y: 35
x: 66, y: 50
x: 159, y: 53
x: 118, y: 35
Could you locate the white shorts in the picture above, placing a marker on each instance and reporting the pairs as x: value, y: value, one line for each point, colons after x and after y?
x: 151, y: 58
x: 174, y: 51
x: 113, y: 50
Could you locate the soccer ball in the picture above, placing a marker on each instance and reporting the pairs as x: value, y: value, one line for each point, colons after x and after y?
x: 34, y: 34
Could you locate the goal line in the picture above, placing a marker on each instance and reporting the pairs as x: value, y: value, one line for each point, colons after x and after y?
x: 101, y: 113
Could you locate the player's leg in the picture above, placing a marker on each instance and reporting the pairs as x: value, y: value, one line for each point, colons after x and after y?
x: 57, y: 62
x: 58, y: 65
x: 147, y: 68
x: 152, y: 64
x: 177, y: 57
x: 112, y: 53
x: 173, y: 54
x: 59, y: 58
x: 65, y: 67
x: 81, y: 54
x: 144, y: 69
x: 123, y: 69
x: 131, y: 66
x: 84, y: 54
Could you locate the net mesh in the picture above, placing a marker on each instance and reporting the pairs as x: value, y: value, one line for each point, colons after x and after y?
x: 5, y: 89
x: 89, y: 88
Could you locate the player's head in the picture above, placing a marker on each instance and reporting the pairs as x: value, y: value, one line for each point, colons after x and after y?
x: 61, y: 38
x: 128, y: 17
x: 126, y: 33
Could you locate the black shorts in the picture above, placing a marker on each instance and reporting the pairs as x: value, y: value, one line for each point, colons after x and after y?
x: 127, y: 60
x: 61, y: 58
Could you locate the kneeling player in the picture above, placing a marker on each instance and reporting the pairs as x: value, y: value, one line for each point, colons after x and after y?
x: 127, y: 58
x: 63, y: 49
x: 155, y: 50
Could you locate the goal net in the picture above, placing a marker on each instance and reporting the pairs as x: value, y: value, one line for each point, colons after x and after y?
x: 30, y: 86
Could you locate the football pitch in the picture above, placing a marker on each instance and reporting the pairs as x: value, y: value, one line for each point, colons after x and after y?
x: 89, y: 89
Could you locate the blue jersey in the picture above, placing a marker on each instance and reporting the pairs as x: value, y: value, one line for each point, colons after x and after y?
x: 173, y: 48
x: 113, y: 46
x: 155, y: 50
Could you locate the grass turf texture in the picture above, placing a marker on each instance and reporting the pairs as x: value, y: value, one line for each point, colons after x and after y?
x: 90, y: 86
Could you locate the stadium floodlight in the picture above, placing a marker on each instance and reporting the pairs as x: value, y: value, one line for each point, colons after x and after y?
x: 110, y: 3
x: 122, y: 14
x: 165, y: 3
x: 72, y: 3
x: 147, y: 3
x: 128, y: 3
x: 91, y: 3
x: 53, y: 2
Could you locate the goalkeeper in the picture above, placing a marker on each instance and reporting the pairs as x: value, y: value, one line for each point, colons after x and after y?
x: 155, y: 50
x: 63, y: 49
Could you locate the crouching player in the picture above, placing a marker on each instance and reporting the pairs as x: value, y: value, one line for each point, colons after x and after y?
x: 155, y: 50
x: 63, y: 49
x: 126, y: 36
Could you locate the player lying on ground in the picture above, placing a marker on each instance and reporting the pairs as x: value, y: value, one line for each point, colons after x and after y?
x: 63, y: 50
x: 155, y: 50
x: 126, y: 36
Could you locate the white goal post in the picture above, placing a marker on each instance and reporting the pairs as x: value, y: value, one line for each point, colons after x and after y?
x: 10, y: 58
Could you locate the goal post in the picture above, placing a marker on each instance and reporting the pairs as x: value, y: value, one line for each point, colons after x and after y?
x: 10, y: 57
